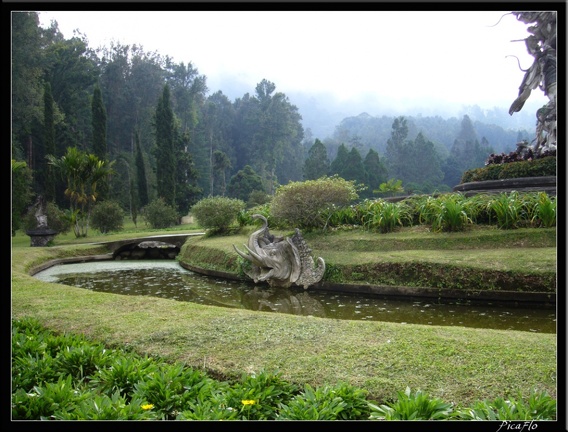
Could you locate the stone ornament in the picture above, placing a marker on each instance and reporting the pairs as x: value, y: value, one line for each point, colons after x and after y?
x: 281, y: 261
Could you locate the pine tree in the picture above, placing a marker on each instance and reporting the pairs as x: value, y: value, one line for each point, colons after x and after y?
x: 338, y: 164
x: 317, y: 163
x: 375, y: 173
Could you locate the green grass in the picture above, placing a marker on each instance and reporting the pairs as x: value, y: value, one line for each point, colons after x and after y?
x: 456, y: 364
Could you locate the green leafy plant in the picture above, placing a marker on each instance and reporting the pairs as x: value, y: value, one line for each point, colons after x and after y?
x: 104, y: 407
x: 544, y: 210
x: 81, y: 361
x: 386, y: 216
x: 121, y: 375
x: 171, y: 387
x: 305, y: 204
x: 159, y: 215
x: 408, y: 406
x: 446, y: 212
x: 509, y: 209
x: 390, y: 188
x: 313, y: 404
x: 257, y: 396
x: 208, y: 409
x: 45, y: 400
x: 217, y: 213
x: 539, y: 406
x: 107, y: 216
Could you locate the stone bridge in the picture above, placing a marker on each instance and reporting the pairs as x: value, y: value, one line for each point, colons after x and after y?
x: 151, y: 247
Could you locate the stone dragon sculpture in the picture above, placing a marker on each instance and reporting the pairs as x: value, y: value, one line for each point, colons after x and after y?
x: 280, y: 261
x: 541, y: 44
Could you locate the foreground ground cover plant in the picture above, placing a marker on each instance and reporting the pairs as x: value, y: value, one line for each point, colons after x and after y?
x: 50, y: 384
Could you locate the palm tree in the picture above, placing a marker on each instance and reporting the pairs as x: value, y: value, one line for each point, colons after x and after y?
x: 82, y: 171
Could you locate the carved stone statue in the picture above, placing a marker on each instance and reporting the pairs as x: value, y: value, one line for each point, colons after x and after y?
x: 42, y: 235
x: 541, y: 44
x: 281, y: 261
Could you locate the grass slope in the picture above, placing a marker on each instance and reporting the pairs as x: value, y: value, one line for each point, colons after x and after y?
x: 460, y: 365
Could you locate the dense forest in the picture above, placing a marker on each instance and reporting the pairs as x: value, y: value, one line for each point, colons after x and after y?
x: 167, y: 135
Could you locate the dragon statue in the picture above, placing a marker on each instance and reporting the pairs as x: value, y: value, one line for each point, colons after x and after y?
x: 541, y: 44
x: 280, y: 261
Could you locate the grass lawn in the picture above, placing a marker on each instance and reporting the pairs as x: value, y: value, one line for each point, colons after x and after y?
x: 457, y: 364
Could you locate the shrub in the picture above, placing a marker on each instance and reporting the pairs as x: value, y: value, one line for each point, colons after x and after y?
x: 257, y: 396
x: 304, y: 204
x: 217, y: 213
x: 412, y: 407
x: 446, y: 213
x: 107, y: 216
x: 510, y: 209
x: 545, y: 166
x: 258, y: 198
x: 159, y: 215
x: 539, y: 406
x: 386, y: 216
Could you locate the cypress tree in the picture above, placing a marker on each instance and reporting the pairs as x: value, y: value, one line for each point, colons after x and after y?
x: 141, y: 174
x: 165, y: 160
x: 99, y: 120
x: 49, y: 134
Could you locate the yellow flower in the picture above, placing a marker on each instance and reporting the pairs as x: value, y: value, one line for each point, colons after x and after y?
x: 247, y: 402
x: 147, y: 407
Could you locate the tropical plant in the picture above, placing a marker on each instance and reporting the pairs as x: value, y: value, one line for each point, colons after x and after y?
x: 408, y: 406
x: 510, y: 209
x: 539, y: 406
x: 171, y: 387
x: 257, y: 396
x: 82, y: 172
x: 448, y: 212
x: 543, y: 210
x: 314, y: 404
x: 391, y: 188
x: 386, y: 216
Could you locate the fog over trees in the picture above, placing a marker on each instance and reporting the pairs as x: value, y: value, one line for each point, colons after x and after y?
x: 160, y: 120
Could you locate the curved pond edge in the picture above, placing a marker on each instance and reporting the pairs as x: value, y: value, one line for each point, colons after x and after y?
x: 511, y: 298
x: 521, y: 299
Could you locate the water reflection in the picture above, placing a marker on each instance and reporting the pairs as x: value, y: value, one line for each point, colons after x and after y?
x: 167, y: 279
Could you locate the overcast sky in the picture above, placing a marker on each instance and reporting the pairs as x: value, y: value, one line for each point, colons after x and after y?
x: 453, y: 57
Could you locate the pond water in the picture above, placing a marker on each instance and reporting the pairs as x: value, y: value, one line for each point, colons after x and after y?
x: 167, y: 279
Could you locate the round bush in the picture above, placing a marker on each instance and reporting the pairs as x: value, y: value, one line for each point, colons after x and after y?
x: 159, y: 215
x: 217, y: 213
x: 107, y: 216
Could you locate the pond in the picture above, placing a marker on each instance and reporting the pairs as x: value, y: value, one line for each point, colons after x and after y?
x: 167, y: 279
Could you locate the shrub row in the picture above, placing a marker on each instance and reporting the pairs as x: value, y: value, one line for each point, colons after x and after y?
x: 530, y: 168
x: 68, y: 377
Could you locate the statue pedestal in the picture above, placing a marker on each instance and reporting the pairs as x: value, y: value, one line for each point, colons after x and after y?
x: 41, y: 237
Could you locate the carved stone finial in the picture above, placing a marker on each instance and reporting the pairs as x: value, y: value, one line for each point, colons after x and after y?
x: 280, y: 261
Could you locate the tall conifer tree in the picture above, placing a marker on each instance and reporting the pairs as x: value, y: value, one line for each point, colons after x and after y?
x: 165, y: 160
x: 141, y: 174
x: 49, y: 136
x: 99, y: 119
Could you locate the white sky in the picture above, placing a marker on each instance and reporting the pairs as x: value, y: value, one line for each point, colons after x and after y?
x: 453, y: 57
